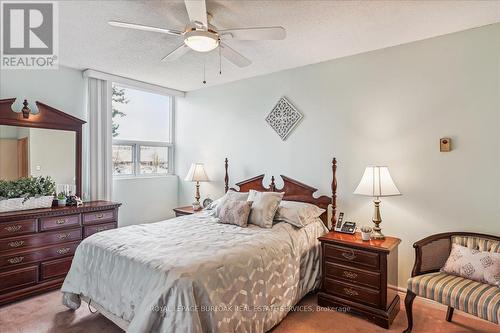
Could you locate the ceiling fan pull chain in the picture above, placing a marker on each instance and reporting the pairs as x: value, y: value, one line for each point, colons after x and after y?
x: 220, y: 61
x: 204, y: 70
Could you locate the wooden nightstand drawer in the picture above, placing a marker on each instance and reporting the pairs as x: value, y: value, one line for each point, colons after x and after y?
x: 345, y: 254
x: 352, y: 275
x: 353, y: 292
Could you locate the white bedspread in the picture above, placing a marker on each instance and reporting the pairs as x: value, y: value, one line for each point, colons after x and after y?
x: 192, y: 274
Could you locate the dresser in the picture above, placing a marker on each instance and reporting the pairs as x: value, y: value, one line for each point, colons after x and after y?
x: 37, y: 246
x: 357, y: 275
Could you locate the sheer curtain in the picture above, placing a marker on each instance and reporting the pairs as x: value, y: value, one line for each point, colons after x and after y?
x: 100, y: 172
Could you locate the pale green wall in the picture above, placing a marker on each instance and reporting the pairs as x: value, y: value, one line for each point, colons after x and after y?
x: 387, y: 107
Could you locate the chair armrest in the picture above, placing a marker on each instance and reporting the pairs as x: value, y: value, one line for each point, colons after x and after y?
x: 431, y: 253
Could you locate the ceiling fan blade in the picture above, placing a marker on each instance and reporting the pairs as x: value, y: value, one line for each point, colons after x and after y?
x: 144, y: 28
x: 263, y: 33
x: 233, y: 56
x: 177, y: 53
x: 197, y: 11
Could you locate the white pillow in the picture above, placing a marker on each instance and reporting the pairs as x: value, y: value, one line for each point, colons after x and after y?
x: 297, y: 213
x: 229, y: 196
x: 264, y: 207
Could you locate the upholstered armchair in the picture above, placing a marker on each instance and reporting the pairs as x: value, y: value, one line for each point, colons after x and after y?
x: 431, y: 253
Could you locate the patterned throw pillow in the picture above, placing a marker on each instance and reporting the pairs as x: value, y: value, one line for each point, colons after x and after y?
x: 235, y: 212
x: 229, y: 196
x: 473, y: 264
x: 264, y: 207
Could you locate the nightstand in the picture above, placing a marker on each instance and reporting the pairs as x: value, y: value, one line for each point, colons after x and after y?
x: 356, y: 274
x: 185, y: 210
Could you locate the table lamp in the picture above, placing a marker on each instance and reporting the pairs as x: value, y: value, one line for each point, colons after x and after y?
x: 377, y: 182
x: 197, y: 174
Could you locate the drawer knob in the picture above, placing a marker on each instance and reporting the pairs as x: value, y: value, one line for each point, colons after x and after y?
x: 350, y: 275
x: 351, y: 292
x: 15, y: 260
x: 61, y: 221
x: 63, y: 236
x: 13, y: 228
x: 349, y: 255
x: 16, y: 243
x: 63, y: 250
x: 99, y: 216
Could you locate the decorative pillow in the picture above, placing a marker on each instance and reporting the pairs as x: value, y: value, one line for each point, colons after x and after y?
x: 235, y: 212
x: 229, y: 196
x: 264, y: 207
x: 473, y: 264
x: 297, y: 213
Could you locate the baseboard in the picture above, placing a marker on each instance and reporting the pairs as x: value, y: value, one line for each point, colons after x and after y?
x: 430, y: 303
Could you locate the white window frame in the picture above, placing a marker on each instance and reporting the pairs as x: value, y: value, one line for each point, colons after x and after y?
x: 136, y: 144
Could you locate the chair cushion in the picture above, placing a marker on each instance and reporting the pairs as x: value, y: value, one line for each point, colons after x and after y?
x: 476, y: 298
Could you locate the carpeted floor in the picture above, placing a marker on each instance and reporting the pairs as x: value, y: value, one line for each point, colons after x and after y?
x: 45, y: 314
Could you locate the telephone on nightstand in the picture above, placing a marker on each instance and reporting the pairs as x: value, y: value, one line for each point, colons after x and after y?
x: 345, y: 227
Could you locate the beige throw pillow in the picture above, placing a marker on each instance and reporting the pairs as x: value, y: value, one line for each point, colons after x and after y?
x: 264, y: 207
x: 473, y: 264
x: 235, y: 212
x: 297, y: 213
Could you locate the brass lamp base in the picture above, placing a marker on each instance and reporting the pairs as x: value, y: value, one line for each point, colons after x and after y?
x: 197, y: 195
x: 377, y: 231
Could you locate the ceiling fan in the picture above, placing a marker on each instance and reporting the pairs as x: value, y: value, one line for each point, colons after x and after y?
x: 201, y: 36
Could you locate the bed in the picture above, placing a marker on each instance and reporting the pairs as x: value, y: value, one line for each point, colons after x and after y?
x: 193, y: 274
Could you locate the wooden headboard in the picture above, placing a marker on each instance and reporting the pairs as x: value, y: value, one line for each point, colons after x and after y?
x: 294, y: 190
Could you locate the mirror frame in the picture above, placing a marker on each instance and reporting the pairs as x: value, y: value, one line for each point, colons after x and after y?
x: 49, y: 118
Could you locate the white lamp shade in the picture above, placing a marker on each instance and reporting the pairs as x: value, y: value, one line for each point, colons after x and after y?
x: 196, y: 173
x: 377, y: 182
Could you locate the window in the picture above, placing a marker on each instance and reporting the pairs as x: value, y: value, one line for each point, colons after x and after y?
x: 142, y: 132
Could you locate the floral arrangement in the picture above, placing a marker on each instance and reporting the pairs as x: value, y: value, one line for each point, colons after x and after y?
x: 30, y: 187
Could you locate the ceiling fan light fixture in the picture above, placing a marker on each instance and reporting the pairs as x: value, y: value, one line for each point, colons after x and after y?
x: 201, y: 41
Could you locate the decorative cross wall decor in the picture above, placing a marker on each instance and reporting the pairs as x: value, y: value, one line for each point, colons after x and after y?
x: 283, y: 118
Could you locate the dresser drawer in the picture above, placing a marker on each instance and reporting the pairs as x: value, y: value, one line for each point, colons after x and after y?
x: 40, y: 239
x: 351, y: 255
x: 90, y: 230
x: 23, y: 257
x: 352, y: 292
x: 55, y: 268
x: 18, y: 277
x: 17, y: 228
x: 353, y: 275
x: 99, y: 217
x: 58, y: 222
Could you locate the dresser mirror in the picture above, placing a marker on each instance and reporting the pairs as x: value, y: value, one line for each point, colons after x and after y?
x: 37, y: 152
x: 45, y: 143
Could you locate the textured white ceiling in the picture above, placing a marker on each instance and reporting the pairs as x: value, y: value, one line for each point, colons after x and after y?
x: 316, y: 31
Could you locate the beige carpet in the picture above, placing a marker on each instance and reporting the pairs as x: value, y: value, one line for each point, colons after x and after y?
x: 45, y: 314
